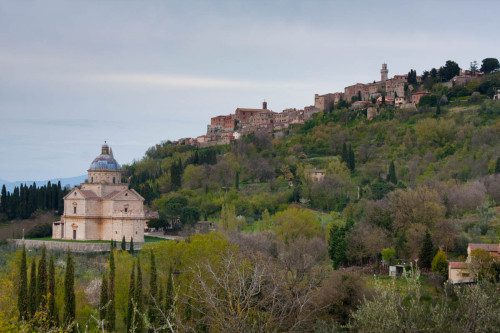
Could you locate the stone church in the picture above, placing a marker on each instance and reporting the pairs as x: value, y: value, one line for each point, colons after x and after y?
x: 103, y: 207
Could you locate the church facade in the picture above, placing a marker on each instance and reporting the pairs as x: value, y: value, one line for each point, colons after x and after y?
x: 103, y: 207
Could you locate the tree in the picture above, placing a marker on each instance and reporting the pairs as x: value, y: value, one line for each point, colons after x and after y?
x: 426, y: 251
x: 497, y: 165
x: 351, y: 162
x: 51, y: 293
x: 139, y: 295
x: 41, y: 292
x: 104, y: 298
x: 438, y: 110
x: 124, y: 244
x: 69, y: 291
x: 3, y: 200
x: 237, y: 180
x: 388, y: 255
x: 32, y: 289
x: 337, y: 247
x: 449, y: 70
x: 489, y: 65
x: 345, y: 154
x: 294, y: 223
x: 129, y: 319
x: 169, y: 292
x: 22, y: 298
x: 110, y: 318
x: 412, y: 77
x: 131, y: 248
x: 440, y: 264
x: 153, y: 289
x: 391, y: 176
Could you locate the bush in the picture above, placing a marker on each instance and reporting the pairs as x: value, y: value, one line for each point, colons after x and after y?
x: 40, y: 231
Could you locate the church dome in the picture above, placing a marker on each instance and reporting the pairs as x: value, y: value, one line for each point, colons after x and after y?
x: 105, y: 161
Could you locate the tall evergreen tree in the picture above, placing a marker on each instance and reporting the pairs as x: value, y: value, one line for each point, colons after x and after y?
x: 69, y: 291
x: 438, y: 109
x: 138, y: 296
x: 337, y: 247
x: 351, y: 162
x: 22, y: 298
x: 169, y: 292
x: 345, y: 154
x: 391, y: 176
x: 32, y: 289
x: 497, y: 165
x: 103, y: 298
x: 131, y: 248
x: 124, y: 244
x: 427, y: 251
x: 153, y: 289
x: 237, y: 180
x: 130, y: 318
x: 3, y: 200
x: 51, y: 293
x: 111, y: 312
x: 41, y: 292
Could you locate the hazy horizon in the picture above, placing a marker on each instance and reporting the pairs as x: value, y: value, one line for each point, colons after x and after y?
x: 136, y: 73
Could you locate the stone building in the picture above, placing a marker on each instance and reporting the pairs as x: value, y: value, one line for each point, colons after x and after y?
x: 102, y: 208
x: 322, y: 102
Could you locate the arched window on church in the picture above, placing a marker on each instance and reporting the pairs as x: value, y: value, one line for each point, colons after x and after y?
x: 74, y: 209
x: 114, y: 180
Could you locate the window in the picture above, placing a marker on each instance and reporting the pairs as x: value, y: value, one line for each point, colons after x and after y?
x: 92, y: 179
x: 114, y: 180
x: 75, y: 194
x: 126, y: 209
x: 74, y: 209
x: 126, y: 194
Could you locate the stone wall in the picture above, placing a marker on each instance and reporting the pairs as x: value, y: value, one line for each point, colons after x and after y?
x: 80, y: 247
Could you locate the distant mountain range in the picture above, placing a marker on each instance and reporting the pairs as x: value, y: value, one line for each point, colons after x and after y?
x: 71, y: 181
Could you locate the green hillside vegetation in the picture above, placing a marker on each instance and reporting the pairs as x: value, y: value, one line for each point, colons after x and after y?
x: 391, y: 179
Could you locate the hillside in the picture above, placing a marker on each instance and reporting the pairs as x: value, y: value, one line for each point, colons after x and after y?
x: 444, y: 177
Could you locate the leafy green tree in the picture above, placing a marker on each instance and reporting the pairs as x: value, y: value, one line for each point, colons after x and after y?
x: 388, y: 254
x: 69, y: 291
x: 41, y: 292
x: 427, y: 251
x: 449, y: 70
x: 440, y: 264
x: 129, y: 319
x: 111, y: 311
x: 32, y: 289
x: 489, y: 65
x: 124, y: 244
x: 104, y: 298
x: 22, y: 298
x: 51, y: 293
x: 391, y: 176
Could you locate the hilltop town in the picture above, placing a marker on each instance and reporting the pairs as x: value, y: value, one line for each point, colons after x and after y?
x: 400, y: 91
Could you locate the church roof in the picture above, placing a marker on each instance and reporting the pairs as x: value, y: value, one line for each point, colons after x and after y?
x: 105, y: 161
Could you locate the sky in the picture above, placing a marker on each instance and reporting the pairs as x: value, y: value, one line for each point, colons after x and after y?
x: 134, y: 73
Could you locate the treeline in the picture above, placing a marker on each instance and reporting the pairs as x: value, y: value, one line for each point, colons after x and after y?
x: 25, y: 200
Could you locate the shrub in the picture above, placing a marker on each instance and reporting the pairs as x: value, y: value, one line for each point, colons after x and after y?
x: 39, y: 231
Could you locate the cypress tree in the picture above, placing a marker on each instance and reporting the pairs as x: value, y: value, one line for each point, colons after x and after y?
x: 103, y: 299
x: 169, y: 293
x: 345, y: 155
x: 124, y: 244
x: 351, y: 160
x: 153, y: 289
x: 129, y: 319
x: 3, y: 200
x: 32, y: 289
x: 112, y: 245
x: 69, y: 291
x: 337, y: 247
x: 138, y: 295
x: 237, y: 180
x: 41, y: 292
x: 426, y: 251
x: 111, y: 290
x: 497, y: 165
x: 51, y: 293
x: 22, y: 298
x: 131, y: 248
x: 391, y: 176
x: 438, y: 109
